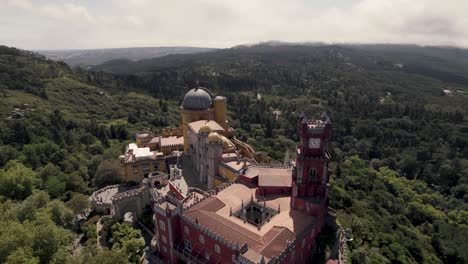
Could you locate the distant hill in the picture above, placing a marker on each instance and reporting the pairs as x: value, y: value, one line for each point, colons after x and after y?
x: 86, y: 58
x: 447, y: 64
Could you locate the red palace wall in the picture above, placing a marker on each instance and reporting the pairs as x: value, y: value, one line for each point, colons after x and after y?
x: 302, y: 249
x: 267, y: 190
x: 225, y: 255
x: 163, y: 244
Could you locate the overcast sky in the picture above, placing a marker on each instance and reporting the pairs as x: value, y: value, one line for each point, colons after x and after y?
x: 76, y: 24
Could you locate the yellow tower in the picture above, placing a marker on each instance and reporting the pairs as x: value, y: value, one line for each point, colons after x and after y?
x: 220, y: 112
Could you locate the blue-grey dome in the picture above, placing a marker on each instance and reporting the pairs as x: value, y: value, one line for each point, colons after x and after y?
x: 197, y: 99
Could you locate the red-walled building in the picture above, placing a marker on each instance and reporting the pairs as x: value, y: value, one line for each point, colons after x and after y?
x: 270, y: 214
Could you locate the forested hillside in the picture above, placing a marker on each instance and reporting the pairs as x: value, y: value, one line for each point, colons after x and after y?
x: 91, y: 57
x: 59, y: 139
x: 399, y: 148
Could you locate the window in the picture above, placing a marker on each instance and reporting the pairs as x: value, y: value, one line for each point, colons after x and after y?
x: 201, y: 239
x: 312, y: 174
x: 217, y: 249
x: 207, y: 255
x: 299, y: 173
x: 303, y: 243
x: 234, y: 258
x: 164, y: 240
x: 186, y: 230
x: 162, y: 225
x: 293, y: 254
x: 165, y: 249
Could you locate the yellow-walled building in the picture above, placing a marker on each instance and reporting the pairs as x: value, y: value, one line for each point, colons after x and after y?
x: 204, y: 136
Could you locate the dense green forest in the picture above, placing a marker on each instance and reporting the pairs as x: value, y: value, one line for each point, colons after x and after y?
x: 399, y: 148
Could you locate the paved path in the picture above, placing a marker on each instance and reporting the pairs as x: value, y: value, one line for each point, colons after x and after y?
x: 101, y: 239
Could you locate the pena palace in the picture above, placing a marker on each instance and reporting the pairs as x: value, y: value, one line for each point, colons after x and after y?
x: 214, y: 198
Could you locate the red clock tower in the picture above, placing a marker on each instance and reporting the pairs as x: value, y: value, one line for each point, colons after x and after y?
x: 311, y: 174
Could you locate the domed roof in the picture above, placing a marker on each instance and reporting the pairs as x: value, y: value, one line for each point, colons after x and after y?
x: 205, y: 129
x: 214, y: 137
x: 197, y: 99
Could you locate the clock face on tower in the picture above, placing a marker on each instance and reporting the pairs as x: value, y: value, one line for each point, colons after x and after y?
x: 314, y: 143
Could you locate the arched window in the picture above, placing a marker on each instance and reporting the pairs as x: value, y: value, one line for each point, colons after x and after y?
x: 312, y: 174
x: 201, y: 239
x: 186, y: 230
x: 217, y: 249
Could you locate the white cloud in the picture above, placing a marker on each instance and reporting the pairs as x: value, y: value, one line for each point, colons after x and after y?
x: 24, y: 4
x: 120, y: 23
x: 67, y: 11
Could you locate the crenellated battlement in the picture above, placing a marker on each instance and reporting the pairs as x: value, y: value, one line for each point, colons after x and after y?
x: 127, y: 194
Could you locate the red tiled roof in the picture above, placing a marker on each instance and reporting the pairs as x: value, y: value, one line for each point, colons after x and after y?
x: 273, y: 177
x: 226, y: 229
x: 211, y: 204
x: 213, y: 214
x: 269, y: 245
x: 278, y: 241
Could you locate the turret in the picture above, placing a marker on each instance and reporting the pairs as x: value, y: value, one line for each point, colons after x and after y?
x: 310, y: 175
x: 215, y: 153
x: 220, y: 112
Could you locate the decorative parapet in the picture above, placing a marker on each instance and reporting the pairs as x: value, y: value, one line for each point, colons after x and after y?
x: 127, y: 194
x: 159, y: 200
x: 96, y: 200
x: 270, y: 165
x: 343, y: 244
x: 197, y: 190
x: 214, y: 236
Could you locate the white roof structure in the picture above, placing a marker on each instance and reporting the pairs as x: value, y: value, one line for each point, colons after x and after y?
x: 139, y: 152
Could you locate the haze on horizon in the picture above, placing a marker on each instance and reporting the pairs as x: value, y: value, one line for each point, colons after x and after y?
x: 87, y: 24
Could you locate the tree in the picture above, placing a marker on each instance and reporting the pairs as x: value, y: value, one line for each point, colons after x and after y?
x: 55, y: 186
x: 109, y: 172
x: 78, y: 203
x: 127, y: 240
x: 17, y: 181
x: 122, y: 233
x: 47, y: 239
x: 60, y: 214
x: 22, y: 256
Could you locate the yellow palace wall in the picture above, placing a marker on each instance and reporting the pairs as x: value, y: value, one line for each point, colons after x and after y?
x: 135, y: 171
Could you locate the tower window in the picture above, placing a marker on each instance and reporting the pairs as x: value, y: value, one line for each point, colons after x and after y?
x: 162, y: 225
x: 201, y: 239
x: 312, y: 174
